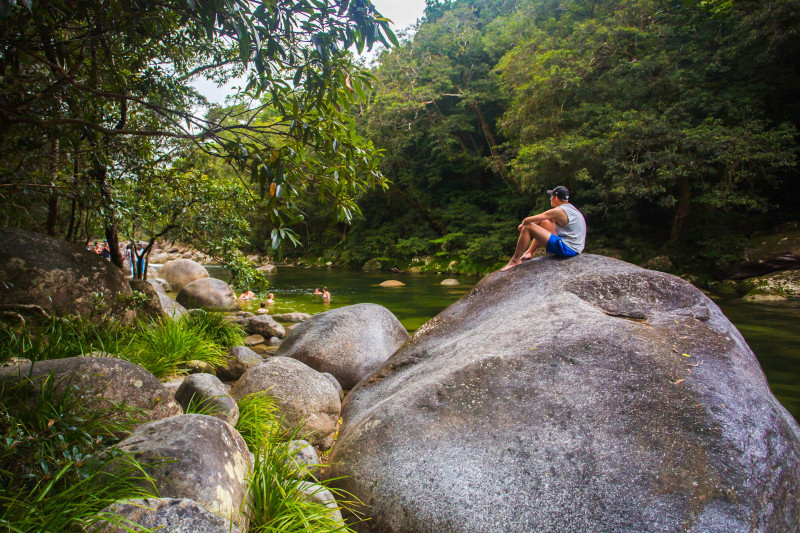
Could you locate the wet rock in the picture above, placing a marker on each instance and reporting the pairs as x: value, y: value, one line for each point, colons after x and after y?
x: 450, y: 282
x: 392, y: 283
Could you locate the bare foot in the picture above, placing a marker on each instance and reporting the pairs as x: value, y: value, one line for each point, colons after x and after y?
x: 527, y: 256
x: 511, y: 264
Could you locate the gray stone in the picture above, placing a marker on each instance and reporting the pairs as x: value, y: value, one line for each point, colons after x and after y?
x: 164, y: 283
x: 319, y: 494
x: 104, y: 381
x: 450, y: 282
x: 292, y: 317
x: 58, y: 276
x: 349, y: 342
x: 372, y: 265
x: 274, y: 341
x: 160, y: 304
x: 208, y: 394
x: 181, y: 272
x: 210, y: 294
x: 774, y: 287
x: 173, y: 515
x: 252, y: 340
x: 335, y: 383
x: 173, y: 385
x: 263, y: 325
x: 245, y: 313
x: 555, y: 398
x: 196, y: 366
x: 240, y: 358
x: 305, y: 398
x: 207, y: 461
x: 267, y: 269
x: 304, y: 456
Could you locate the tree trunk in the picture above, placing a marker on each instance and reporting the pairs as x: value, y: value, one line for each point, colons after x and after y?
x: 493, y: 149
x: 681, y: 214
x: 72, y: 220
x: 112, y: 234
x: 73, y: 226
x: 52, y: 204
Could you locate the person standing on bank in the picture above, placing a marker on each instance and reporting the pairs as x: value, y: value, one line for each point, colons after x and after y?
x: 561, y: 230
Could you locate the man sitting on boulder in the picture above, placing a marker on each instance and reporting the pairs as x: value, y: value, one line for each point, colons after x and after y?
x: 561, y: 230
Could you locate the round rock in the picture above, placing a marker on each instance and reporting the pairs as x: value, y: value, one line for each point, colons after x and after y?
x: 181, y: 272
x: 349, y: 342
x: 207, y: 393
x: 176, y: 515
x: 208, y: 462
x: 392, y: 283
x: 555, y: 397
x: 210, y: 294
x: 305, y: 398
x: 292, y: 317
x: 104, y: 381
x: 240, y: 358
x: 58, y: 276
x: 450, y: 282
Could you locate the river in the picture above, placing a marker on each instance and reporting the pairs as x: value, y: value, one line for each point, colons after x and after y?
x: 772, y: 331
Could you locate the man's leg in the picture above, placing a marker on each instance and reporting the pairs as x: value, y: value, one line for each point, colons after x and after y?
x: 549, y: 226
x: 528, y: 233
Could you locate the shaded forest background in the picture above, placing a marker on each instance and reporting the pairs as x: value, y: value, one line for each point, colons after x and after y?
x: 673, y: 123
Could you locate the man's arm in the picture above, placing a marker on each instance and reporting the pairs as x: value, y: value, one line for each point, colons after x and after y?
x: 556, y: 214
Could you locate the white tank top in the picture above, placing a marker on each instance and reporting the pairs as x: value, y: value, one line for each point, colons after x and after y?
x: 574, y: 233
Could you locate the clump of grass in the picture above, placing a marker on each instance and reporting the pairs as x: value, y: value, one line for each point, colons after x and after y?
x: 53, y: 455
x: 164, y: 346
x: 258, y: 420
x: 280, y: 497
x: 60, y: 337
x: 215, y: 327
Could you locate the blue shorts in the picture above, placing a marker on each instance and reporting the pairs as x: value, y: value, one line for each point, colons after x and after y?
x: 556, y: 246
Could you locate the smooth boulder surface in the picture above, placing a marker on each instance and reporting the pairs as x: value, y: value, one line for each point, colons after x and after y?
x: 159, y: 303
x: 292, y: 317
x: 240, y: 358
x: 181, y: 272
x: 392, y: 283
x: 306, y: 399
x: 208, y: 462
x: 349, y: 342
x: 263, y: 325
x: 450, y: 282
x: 104, y: 381
x: 210, y: 294
x: 58, y: 276
x: 556, y: 398
x: 208, y: 393
x: 173, y: 515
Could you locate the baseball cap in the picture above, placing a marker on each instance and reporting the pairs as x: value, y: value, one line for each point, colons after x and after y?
x: 560, y: 192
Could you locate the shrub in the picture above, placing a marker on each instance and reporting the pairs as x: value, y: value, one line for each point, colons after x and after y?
x: 53, y: 455
x: 258, y: 418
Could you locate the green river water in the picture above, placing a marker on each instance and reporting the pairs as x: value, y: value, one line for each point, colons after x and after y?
x: 772, y: 331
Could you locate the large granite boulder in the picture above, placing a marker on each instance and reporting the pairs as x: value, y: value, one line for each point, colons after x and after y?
x: 103, y: 381
x: 306, y: 399
x: 197, y: 457
x: 205, y: 392
x: 210, y: 294
x: 175, y: 515
x: 349, y: 342
x: 159, y: 304
x: 58, y: 276
x: 181, y: 272
x: 572, y: 395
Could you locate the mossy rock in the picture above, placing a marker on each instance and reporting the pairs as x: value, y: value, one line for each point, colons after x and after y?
x: 373, y: 265
x: 778, y: 286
